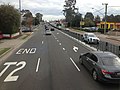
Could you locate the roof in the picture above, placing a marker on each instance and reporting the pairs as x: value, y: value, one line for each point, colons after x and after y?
x: 103, y: 54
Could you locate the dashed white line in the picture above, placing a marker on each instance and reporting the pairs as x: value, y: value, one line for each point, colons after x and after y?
x: 42, y: 42
x: 60, y: 44
x: 64, y: 49
x: 38, y: 64
x: 57, y: 40
x: 75, y: 64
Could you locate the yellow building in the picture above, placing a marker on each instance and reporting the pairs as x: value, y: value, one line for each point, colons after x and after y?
x: 109, y: 25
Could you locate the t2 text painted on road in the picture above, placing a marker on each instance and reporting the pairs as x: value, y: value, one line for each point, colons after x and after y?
x: 10, y: 77
x: 26, y: 51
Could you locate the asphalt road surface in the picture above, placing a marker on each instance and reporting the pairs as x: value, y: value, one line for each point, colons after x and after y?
x: 48, y: 62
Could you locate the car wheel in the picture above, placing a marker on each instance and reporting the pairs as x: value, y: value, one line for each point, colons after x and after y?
x: 94, y: 75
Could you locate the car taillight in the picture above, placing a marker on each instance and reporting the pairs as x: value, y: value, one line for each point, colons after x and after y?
x: 106, y: 72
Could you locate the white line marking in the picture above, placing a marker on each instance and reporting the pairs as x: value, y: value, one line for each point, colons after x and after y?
x: 42, y: 42
x: 57, y: 40
x: 88, y: 46
x: 75, y: 64
x: 60, y: 44
x: 38, y: 63
x: 57, y: 33
x: 64, y: 49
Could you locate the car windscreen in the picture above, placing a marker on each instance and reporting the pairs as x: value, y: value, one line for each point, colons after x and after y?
x: 111, y: 61
x: 91, y: 35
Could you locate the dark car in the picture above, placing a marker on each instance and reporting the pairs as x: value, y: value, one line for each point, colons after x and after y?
x: 104, y: 66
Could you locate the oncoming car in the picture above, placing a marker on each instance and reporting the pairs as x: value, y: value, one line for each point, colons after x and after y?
x: 104, y: 66
x: 90, y: 38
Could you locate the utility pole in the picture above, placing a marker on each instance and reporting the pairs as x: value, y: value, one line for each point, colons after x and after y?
x: 20, y: 16
x: 105, y: 24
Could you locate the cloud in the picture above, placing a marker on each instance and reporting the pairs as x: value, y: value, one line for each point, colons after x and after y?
x: 54, y: 8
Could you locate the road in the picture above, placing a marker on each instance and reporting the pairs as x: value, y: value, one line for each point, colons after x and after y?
x: 48, y: 62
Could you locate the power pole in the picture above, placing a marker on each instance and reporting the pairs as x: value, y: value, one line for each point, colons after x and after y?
x: 105, y: 24
x: 20, y: 15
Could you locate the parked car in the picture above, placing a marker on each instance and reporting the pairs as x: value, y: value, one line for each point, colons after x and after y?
x: 48, y: 32
x: 90, y: 38
x: 26, y: 29
x: 104, y: 66
x: 1, y: 35
x: 67, y: 29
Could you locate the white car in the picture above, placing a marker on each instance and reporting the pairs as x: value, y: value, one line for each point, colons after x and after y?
x: 48, y: 32
x: 90, y: 38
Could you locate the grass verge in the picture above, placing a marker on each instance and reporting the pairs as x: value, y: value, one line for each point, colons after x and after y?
x: 25, y: 37
x: 3, y: 50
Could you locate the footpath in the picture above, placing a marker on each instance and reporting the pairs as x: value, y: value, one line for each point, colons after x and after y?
x: 8, y: 46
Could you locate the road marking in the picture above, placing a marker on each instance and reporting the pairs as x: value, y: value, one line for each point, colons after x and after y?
x: 57, y: 33
x: 57, y: 40
x: 60, y: 44
x: 10, y: 77
x: 75, y: 49
x: 88, y: 46
x: 42, y: 42
x: 8, y: 65
x: 26, y: 51
x: 75, y: 64
x: 38, y: 63
x: 64, y: 49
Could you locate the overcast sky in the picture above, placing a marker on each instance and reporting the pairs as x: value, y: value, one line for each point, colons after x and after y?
x: 52, y: 9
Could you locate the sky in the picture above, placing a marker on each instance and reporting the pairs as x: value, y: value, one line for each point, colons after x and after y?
x: 52, y: 9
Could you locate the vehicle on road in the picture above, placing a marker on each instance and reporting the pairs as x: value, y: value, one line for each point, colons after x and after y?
x: 90, y: 38
x: 104, y: 66
x: 48, y: 32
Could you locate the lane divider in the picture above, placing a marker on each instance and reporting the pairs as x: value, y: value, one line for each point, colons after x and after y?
x: 75, y: 64
x: 38, y: 64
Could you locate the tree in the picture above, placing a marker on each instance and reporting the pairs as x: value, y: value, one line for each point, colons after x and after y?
x: 97, y: 20
x: 9, y: 19
x: 28, y: 18
x: 88, y: 22
x: 76, y: 20
x: 69, y: 11
x: 89, y: 15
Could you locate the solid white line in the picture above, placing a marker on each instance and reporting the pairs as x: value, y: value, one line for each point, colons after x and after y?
x: 38, y: 65
x: 75, y: 64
